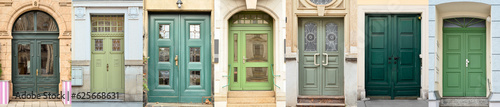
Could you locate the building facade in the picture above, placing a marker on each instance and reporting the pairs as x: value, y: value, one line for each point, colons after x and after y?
x: 35, y: 43
x: 108, y: 57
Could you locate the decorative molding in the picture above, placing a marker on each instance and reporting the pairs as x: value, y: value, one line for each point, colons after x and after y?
x: 5, y: 3
x: 80, y: 13
x: 65, y: 4
x: 67, y: 33
x: 307, y: 5
x: 4, y: 33
x: 251, y: 4
x: 36, y: 3
x: 133, y: 12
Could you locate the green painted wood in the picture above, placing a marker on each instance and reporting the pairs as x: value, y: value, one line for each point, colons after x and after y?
x: 36, y: 83
x: 321, y: 79
x: 107, y: 74
x: 179, y: 88
x: 238, y: 50
x: 392, y: 55
x: 459, y: 79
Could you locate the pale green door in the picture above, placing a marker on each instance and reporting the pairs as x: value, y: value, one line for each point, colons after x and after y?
x: 251, y: 52
x: 107, y: 63
x: 321, y: 49
x: 464, y: 57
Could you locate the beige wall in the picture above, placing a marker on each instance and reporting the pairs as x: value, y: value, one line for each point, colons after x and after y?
x: 393, y: 2
x: 60, y: 10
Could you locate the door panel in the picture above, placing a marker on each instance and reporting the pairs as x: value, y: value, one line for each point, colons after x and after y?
x: 392, y: 55
x: 321, y: 50
x: 179, y: 48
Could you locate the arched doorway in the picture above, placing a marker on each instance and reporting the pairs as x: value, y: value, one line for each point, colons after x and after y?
x: 35, y: 54
x: 251, y: 51
x: 464, y: 57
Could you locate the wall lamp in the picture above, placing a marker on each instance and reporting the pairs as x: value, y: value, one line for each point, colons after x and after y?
x: 179, y: 3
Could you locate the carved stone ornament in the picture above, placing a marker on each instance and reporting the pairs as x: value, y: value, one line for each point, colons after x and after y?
x: 133, y: 12
x: 321, y: 3
x: 80, y: 13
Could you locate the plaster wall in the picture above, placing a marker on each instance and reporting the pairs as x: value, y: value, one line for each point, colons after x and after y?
x: 393, y: 2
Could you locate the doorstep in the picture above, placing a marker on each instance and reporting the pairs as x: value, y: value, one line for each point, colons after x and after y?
x: 152, y: 104
x: 35, y: 104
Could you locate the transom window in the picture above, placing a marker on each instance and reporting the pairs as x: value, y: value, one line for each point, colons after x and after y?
x: 321, y: 2
x: 107, y: 23
x: 251, y: 18
x: 34, y: 21
x: 464, y: 23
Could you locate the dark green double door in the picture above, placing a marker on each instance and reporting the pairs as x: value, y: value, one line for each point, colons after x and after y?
x: 35, y: 67
x: 321, y: 63
x: 464, y: 61
x: 179, y: 68
x: 392, y: 48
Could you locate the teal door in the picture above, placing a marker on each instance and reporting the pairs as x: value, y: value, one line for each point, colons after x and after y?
x: 321, y: 47
x: 392, y: 49
x: 179, y: 68
x: 464, y: 57
x: 250, y: 51
x: 35, y: 54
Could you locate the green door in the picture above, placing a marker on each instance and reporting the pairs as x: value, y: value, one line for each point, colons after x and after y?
x: 251, y: 52
x: 107, y: 74
x: 464, y: 57
x: 36, y: 66
x: 392, y: 49
x: 321, y: 50
x: 179, y: 68
x: 35, y: 54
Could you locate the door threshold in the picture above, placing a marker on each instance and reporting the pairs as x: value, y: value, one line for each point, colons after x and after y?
x: 395, y: 98
x: 464, y: 97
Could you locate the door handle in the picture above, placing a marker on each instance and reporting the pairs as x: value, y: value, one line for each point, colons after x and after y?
x: 107, y: 67
x: 326, y: 58
x: 244, y: 59
x: 467, y: 62
x: 36, y: 72
x: 315, y: 59
x: 176, y: 60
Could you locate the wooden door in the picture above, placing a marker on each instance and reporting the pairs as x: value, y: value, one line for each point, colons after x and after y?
x: 107, y: 47
x: 464, y: 57
x: 392, y: 66
x: 36, y: 66
x: 179, y: 64
x: 321, y: 56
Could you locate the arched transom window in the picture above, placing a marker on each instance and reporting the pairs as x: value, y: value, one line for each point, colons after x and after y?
x: 35, y: 21
x: 464, y: 23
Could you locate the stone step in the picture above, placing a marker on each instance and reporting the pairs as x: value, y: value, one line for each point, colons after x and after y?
x: 248, y: 94
x: 321, y: 99
x: 320, y: 104
x: 253, y: 105
x: 464, y: 101
x: 254, y: 100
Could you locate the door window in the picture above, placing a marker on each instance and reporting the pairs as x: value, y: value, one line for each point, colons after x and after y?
x: 47, y: 62
x: 23, y: 59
